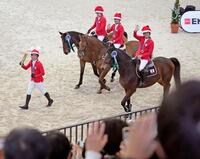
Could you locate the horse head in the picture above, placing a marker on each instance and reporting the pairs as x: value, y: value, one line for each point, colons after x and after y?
x: 67, y: 42
x: 109, y: 57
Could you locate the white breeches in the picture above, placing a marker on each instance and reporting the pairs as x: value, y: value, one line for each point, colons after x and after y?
x: 117, y: 46
x: 101, y: 37
x: 39, y: 86
x: 143, y: 63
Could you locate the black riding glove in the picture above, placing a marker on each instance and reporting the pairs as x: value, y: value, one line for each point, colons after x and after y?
x: 93, y: 33
x: 88, y: 32
x: 32, y: 75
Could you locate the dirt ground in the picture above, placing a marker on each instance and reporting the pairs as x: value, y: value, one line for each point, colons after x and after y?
x: 27, y: 23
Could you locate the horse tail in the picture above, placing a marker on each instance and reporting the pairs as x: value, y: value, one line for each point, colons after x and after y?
x: 177, y: 76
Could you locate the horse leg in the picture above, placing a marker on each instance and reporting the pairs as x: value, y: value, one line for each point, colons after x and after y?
x: 82, y: 68
x: 95, y: 70
x: 129, y: 105
x: 166, y: 88
x: 103, y: 73
x: 126, y: 99
x: 113, y: 75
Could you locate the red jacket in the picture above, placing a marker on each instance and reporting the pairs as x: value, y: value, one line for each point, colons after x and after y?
x: 145, y: 49
x: 118, y: 34
x: 100, y: 25
x: 38, y: 71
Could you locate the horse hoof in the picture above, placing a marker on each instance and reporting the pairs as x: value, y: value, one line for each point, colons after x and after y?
x: 104, y: 81
x: 77, y: 87
x: 108, y: 89
x: 99, y: 92
x: 129, y: 107
x: 125, y: 109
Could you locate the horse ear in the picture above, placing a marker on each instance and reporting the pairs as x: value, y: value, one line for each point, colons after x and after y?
x: 60, y: 33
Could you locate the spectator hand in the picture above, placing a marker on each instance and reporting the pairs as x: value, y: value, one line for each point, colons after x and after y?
x: 76, y: 152
x: 140, y: 143
x: 96, y: 139
x: 32, y: 75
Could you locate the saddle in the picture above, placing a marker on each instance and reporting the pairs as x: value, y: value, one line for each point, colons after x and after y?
x: 148, y: 71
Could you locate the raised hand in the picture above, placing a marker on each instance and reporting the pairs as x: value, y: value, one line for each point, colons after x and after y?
x: 96, y: 139
x: 108, y: 26
x: 136, y: 28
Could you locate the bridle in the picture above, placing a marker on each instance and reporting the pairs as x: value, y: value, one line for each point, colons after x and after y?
x: 68, y: 40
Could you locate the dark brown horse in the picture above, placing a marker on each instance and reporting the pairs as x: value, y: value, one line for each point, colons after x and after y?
x: 166, y: 68
x: 69, y: 39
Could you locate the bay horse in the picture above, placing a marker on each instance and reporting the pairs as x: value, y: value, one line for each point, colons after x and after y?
x: 69, y: 39
x: 166, y: 68
x: 93, y: 50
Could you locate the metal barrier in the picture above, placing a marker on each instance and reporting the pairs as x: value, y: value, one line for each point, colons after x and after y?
x: 79, y: 131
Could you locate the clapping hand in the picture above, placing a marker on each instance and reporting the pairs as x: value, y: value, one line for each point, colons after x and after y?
x: 141, y: 142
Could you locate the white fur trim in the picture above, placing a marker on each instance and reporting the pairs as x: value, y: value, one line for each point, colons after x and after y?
x: 117, y: 18
x: 99, y: 11
x: 146, y: 31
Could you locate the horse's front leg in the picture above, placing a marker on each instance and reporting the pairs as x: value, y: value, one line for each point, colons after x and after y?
x: 113, y: 75
x: 95, y: 69
x: 103, y: 73
x: 127, y: 100
x: 82, y: 68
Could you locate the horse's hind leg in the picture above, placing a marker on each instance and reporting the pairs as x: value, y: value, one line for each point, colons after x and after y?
x: 166, y: 87
x: 82, y: 68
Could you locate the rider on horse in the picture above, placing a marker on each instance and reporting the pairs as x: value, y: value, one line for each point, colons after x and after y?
x: 118, y: 31
x: 99, y: 24
x: 145, y: 50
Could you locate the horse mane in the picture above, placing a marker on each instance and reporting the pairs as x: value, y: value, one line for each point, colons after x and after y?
x: 87, y: 37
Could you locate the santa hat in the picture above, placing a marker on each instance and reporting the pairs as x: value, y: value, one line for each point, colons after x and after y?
x: 99, y: 9
x: 146, y: 29
x: 35, y: 51
x: 118, y: 16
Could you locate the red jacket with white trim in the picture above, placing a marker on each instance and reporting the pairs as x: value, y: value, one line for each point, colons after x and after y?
x: 38, y: 71
x: 145, y: 49
x: 118, y: 33
x: 100, y: 25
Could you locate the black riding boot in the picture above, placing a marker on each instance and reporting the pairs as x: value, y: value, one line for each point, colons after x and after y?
x: 28, y: 98
x: 50, y: 101
x: 141, y: 78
